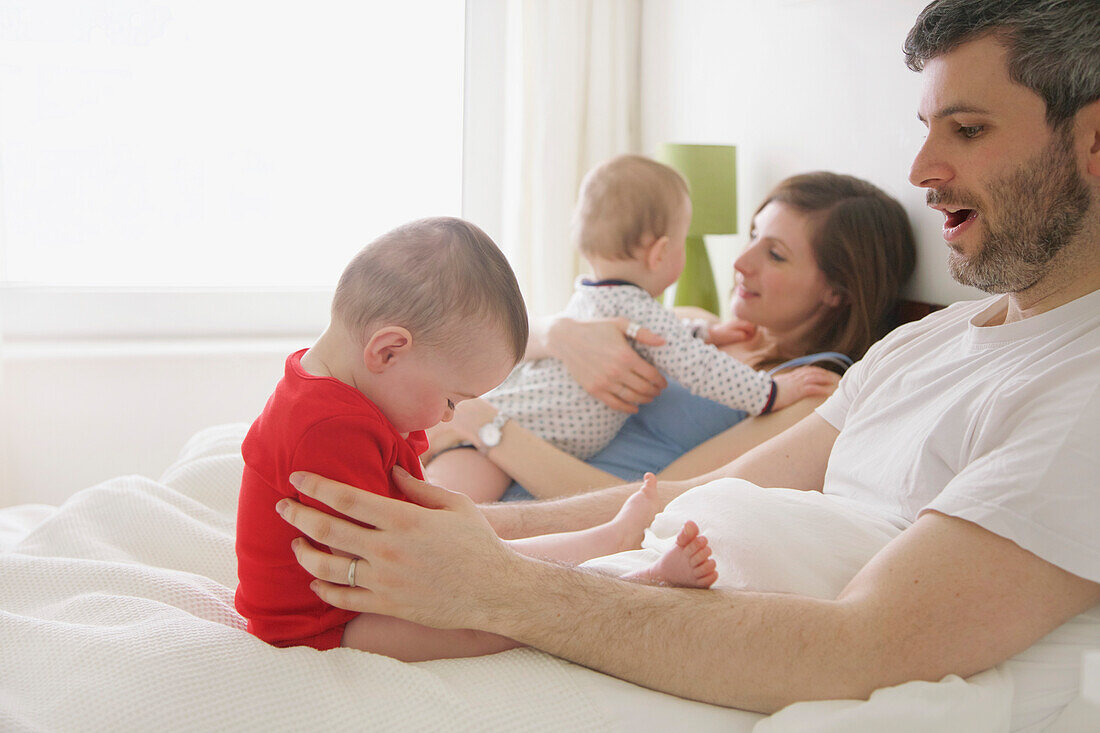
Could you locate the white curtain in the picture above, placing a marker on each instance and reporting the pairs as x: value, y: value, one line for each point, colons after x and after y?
x: 563, y: 96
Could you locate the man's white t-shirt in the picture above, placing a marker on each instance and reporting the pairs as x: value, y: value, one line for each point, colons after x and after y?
x: 997, y: 425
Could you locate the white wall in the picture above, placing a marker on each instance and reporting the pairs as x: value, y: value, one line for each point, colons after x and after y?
x: 797, y: 85
x: 75, y: 414
x: 119, y: 384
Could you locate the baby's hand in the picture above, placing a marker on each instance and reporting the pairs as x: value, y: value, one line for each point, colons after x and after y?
x: 807, y: 381
x: 469, y: 415
x: 730, y: 332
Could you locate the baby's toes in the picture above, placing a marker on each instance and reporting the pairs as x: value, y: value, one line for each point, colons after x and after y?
x: 688, y: 534
x: 705, y: 568
x: 701, y: 558
x: 700, y: 555
x: 699, y: 544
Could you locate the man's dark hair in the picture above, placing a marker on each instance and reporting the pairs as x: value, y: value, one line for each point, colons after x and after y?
x: 1053, y: 45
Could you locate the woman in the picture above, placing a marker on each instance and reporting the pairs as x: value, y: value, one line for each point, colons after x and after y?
x: 818, y: 281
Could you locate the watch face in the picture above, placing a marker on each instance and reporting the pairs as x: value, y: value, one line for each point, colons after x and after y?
x: 489, y: 434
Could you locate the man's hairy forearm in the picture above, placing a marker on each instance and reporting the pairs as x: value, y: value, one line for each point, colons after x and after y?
x: 912, y: 613
x: 748, y: 650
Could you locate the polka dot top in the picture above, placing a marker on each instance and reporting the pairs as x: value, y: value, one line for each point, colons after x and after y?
x: 543, y: 398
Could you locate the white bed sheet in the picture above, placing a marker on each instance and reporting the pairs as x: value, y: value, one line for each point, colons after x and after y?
x: 116, y: 612
x: 17, y: 521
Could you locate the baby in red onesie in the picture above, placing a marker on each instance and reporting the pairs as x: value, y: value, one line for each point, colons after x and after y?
x: 423, y: 317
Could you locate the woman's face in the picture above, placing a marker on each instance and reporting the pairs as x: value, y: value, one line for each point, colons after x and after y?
x: 778, y: 284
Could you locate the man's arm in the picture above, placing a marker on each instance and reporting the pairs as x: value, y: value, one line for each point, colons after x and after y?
x: 914, y: 612
x: 794, y: 459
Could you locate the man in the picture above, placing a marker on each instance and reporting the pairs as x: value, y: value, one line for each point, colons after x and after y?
x: 977, y: 425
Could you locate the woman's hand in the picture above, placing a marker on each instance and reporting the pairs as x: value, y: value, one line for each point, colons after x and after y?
x: 599, y: 357
x: 425, y: 563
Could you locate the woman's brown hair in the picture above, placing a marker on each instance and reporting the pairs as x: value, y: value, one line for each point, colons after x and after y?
x: 864, y: 246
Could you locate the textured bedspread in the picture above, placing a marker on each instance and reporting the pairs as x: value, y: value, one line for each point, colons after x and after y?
x: 116, y: 613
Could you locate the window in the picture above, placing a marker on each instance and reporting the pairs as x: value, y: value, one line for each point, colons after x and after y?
x: 149, y: 146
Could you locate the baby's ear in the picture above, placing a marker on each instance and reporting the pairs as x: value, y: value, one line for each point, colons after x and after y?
x: 655, y: 252
x: 384, y: 347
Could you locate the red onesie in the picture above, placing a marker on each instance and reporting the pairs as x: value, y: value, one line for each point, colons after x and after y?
x: 321, y: 425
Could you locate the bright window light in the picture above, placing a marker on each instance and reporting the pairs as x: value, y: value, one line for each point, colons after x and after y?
x: 221, y: 142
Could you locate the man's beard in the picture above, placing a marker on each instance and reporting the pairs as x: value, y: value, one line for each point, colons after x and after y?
x: 1041, y: 206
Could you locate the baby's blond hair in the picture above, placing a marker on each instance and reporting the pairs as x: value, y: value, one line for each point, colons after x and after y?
x: 623, y: 203
x: 439, y: 278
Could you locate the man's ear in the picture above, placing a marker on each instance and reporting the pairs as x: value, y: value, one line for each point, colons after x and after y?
x: 655, y: 252
x: 384, y: 347
x: 1089, y: 118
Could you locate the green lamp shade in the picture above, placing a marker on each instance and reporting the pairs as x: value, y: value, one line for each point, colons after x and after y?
x: 711, y: 173
x: 696, y: 284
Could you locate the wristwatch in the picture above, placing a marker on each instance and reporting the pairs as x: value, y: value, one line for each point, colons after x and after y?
x: 490, y: 433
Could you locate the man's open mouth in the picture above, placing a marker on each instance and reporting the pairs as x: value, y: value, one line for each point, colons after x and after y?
x: 955, y: 217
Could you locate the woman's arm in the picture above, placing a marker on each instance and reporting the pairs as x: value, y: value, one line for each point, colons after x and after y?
x: 742, y: 437
x: 600, y: 358
x: 542, y: 469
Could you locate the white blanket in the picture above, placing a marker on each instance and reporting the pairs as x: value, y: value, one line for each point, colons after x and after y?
x: 116, y: 612
x: 768, y: 540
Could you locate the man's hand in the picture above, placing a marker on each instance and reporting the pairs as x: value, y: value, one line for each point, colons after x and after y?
x: 599, y: 357
x: 421, y: 563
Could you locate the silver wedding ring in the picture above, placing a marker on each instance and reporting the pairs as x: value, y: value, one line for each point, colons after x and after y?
x: 632, y: 329
x: 351, y: 572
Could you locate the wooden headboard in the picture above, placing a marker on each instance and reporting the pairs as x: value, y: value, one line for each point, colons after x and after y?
x: 913, y: 310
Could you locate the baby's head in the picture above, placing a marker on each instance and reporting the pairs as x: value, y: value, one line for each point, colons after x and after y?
x: 626, y: 204
x: 436, y: 316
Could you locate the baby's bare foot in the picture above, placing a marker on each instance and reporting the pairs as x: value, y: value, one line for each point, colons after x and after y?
x: 687, y: 565
x: 636, y: 514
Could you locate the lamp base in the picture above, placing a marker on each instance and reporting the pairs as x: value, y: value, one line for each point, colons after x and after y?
x: 696, y: 284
